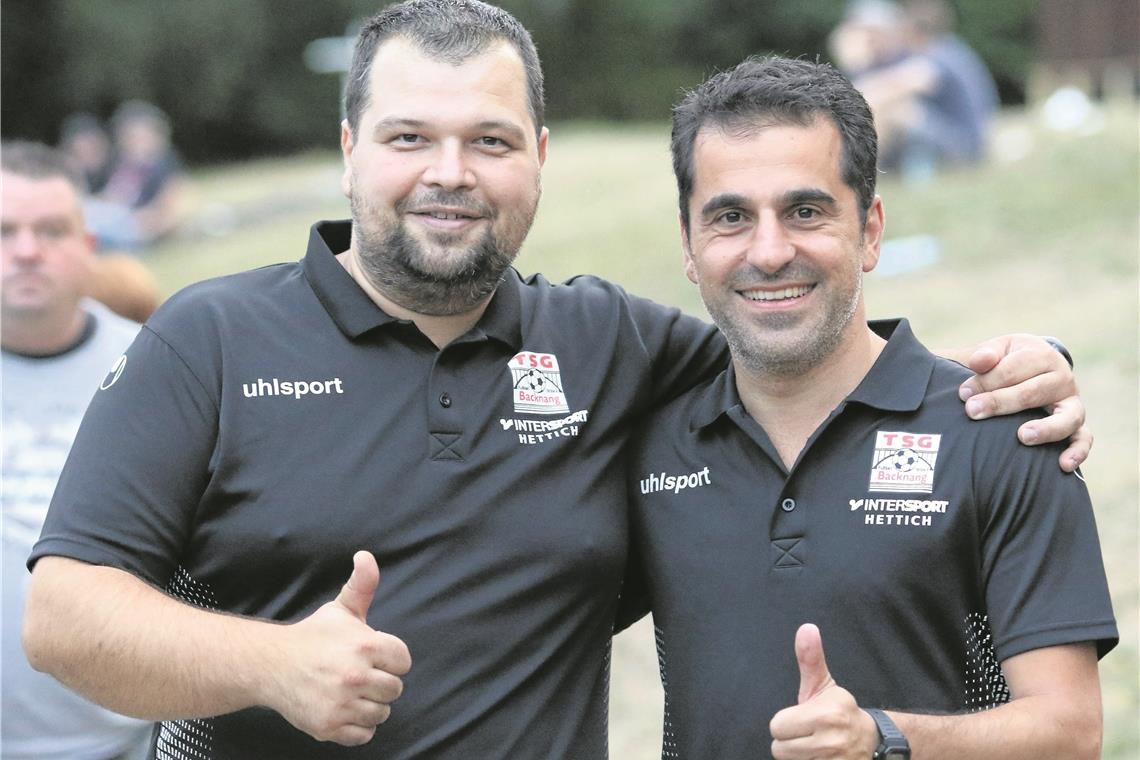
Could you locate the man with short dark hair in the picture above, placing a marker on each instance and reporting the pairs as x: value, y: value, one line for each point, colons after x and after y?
x: 57, y: 346
x: 826, y: 481
x: 403, y: 391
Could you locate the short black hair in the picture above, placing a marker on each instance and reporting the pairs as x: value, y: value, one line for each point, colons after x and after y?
x: 449, y: 30
x: 776, y: 90
x: 38, y: 161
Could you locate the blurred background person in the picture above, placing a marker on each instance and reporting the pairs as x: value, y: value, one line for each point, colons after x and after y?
x: 88, y: 146
x: 56, y: 348
x: 145, y: 195
x: 933, y: 98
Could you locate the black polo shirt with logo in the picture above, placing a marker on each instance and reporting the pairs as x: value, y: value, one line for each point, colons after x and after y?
x: 928, y: 549
x: 266, y: 425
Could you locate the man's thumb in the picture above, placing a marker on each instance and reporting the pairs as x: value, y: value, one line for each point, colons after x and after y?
x: 814, y: 676
x: 356, y: 595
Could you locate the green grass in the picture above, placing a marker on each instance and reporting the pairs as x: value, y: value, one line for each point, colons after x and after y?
x: 1046, y: 244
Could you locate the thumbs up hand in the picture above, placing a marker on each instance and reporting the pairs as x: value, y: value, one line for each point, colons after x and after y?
x: 331, y: 675
x: 827, y: 722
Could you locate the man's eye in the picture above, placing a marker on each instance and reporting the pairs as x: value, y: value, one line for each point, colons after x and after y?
x: 52, y: 231
x: 805, y: 213
x: 408, y: 139
x: 732, y: 217
x: 491, y: 142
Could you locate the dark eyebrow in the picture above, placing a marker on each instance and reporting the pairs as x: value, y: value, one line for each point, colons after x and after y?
x: 807, y: 195
x: 722, y: 201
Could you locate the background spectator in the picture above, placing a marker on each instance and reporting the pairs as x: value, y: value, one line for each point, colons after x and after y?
x: 57, y: 346
x: 144, y: 198
x: 87, y: 145
x: 932, y: 96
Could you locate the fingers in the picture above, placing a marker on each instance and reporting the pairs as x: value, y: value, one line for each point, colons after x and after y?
x: 1078, y: 451
x: 1016, y: 373
x: 846, y: 732
x: 1066, y: 419
x: 356, y: 595
x: 391, y: 655
x: 814, y: 675
x: 358, y: 724
x: 375, y: 685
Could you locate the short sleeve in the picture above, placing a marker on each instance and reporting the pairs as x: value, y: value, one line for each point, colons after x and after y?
x: 139, y: 465
x: 1042, y: 564
x: 683, y: 350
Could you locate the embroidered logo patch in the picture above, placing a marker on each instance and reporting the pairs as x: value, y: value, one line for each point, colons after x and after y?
x: 115, y: 373
x: 536, y: 384
x: 904, y: 462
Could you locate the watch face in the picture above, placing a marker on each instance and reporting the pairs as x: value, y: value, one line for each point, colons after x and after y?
x: 897, y: 754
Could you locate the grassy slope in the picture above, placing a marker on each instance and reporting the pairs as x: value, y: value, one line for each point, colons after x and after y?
x: 1046, y: 244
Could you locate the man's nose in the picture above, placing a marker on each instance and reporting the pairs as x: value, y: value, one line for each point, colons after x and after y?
x: 450, y: 168
x: 770, y: 248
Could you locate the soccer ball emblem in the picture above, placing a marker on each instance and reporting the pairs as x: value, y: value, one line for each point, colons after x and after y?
x: 536, y: 382
x: 903, y: 460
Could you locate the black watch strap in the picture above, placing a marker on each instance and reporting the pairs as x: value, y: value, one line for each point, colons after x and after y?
x: 892, y: 744
x: 1059, y: 347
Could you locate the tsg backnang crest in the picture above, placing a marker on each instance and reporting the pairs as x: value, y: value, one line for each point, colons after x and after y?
x: 904, y: 462
x: 536, y: 384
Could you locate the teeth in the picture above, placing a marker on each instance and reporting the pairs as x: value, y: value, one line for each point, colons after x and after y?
x: 442, y: 215
x: 776, y: 295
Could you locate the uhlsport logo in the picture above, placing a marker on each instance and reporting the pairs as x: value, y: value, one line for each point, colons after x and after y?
x: 676, y: 483
x: 536, y: 384
x: 294, y: 388
x: 904, y: 462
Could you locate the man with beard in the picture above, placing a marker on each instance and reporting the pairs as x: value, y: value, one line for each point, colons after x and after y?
x: 403, y: 391
x: 828, y: 477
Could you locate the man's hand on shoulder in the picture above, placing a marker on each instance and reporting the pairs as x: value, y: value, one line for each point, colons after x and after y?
x: 334, y: 677
x: 827, y: 722
x: 1018, y: 372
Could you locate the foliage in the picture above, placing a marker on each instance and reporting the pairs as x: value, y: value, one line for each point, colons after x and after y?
x: 232, y: 77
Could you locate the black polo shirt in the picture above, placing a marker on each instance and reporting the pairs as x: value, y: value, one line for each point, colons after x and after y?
x: 928, y: 548
x: 266, y: 425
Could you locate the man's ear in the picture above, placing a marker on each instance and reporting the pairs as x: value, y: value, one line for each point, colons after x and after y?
x: 346, y: 146
x: 543, y: 142
x: 687, y: 253
x: 873, y: 234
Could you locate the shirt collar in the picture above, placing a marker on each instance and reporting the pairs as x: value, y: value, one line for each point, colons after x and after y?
x: 897, y: 380
x: 355, y: 313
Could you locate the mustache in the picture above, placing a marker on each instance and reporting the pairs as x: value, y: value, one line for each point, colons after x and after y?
x: 462, y: 201
x: 747, y: 276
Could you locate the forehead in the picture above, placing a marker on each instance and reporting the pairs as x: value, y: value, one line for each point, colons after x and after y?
x: 31, y: 198
x: 406, y: 83
x: 768, y: 160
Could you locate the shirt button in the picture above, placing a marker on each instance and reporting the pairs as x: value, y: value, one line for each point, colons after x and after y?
x: 444, y: 400
x: 788, y: 505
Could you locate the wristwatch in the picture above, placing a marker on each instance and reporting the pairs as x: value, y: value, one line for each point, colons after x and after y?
x: 1059, y: 347
x: 892, y: 744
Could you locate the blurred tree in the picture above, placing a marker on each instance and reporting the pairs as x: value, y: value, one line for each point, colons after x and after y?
x: 232, y: 78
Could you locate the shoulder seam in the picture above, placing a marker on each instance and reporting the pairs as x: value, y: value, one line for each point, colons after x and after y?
x: 186, y: 364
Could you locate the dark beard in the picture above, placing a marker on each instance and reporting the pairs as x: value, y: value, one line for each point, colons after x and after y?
x: 392, y: 263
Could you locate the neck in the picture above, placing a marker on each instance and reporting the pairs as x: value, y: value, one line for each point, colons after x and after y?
x: 792, y: 407
x: 440, y: 330
x: 42, y: 333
